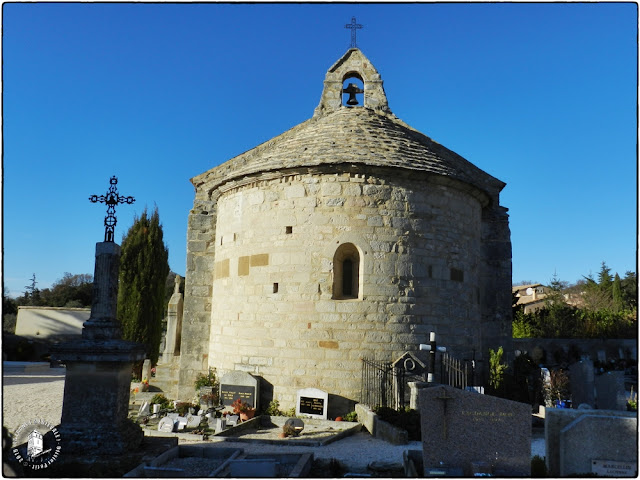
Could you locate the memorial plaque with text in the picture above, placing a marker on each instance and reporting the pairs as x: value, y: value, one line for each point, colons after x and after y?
x: 230, y: 393
x: 312, y: 402
x: 311, y: 406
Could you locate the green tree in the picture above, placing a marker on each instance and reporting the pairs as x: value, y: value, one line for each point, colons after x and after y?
x: 31, y: 295
x: 496, y: 368
x: 604, y: 278
x: 616, y: 293
x: 629, y: 285
x: 72, y: 291
x: 144, y: 268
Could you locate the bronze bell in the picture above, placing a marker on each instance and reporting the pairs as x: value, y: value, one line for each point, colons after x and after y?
x: 352, y: 89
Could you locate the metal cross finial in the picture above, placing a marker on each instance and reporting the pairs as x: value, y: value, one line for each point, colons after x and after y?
x: 353, y: 26
x: 112, y: 198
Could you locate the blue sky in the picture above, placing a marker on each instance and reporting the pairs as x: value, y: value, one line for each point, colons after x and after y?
x: 541, y: 96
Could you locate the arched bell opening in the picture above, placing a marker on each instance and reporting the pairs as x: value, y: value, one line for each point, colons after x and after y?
x: 352, y: 90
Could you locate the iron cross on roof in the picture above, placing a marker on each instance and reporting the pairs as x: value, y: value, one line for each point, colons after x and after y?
x: 353, y: 26
x: 112, y: 198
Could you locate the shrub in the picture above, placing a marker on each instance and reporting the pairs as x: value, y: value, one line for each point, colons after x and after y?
x: 351, y: 417
x: 160, y: 399
x: 407, y: 419
x: 538, y: 467
x: 208, y: 380
x: 274, y: 409
x: 183, y: 408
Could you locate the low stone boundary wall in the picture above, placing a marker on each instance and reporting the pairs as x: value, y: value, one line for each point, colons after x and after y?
x: 379, y: 428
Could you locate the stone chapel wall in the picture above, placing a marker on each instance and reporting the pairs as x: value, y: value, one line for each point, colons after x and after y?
x: 272, y: 311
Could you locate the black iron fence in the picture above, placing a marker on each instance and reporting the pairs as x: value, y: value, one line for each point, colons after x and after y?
x: 454, y: 372
x: 383, y: 384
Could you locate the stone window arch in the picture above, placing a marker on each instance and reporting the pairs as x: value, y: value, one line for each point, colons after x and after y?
x: 347, y: 272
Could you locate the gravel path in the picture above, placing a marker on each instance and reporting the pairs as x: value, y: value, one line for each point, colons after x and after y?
x: 29, y: 392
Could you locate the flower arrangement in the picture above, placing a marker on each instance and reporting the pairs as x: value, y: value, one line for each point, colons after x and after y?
x: 144, y: 385
x: 135, y: 391
x: 243, y: 409
x: 209, y: 399
x: 153, y: 372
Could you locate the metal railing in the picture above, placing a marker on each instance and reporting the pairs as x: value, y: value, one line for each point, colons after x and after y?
x: 454, y: 372
x: 383, y: 384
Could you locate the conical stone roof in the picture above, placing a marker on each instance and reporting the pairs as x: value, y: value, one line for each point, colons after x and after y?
x: 370, y: 135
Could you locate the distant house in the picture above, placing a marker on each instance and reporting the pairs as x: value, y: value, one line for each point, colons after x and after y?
x: 532, y: 297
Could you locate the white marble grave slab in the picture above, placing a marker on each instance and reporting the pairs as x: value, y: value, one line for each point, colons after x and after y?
x: 165, y: 425
x: 193, y: 421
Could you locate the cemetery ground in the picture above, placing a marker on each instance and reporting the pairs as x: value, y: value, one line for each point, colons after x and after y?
x: 33, y: 390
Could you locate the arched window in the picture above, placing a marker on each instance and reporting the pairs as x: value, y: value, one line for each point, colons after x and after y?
x: 346, y: 272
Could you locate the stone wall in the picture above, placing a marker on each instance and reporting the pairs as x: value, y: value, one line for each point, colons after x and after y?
x: 196, y: 317
x: 274, y: 311
x: 51, y: 323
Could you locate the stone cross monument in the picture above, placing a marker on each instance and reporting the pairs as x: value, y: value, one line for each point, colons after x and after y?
x: 98, y: 372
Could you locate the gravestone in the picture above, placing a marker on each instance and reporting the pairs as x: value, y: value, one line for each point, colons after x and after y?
x: 582, y: 377
x: 602, y: 356
x: 146, y: 370
x: 556, y: 419
x: 545, y: 379
x: 610, y: 440
x: 463, y: 431
x: 174, y: 324
x: 609, y: 468
x: 166, y: 425
x: 242, y: 385
x: 193, y: 421
x: 181, y: 423
x: 610, y: 392
x: 312, y: 402
x: 144, y: 409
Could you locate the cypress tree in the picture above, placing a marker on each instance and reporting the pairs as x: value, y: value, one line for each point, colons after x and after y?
x: 617, y: 294
x: 144, y: 267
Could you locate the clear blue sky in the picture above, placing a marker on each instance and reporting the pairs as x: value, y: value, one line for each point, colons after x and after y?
x: 541, y: 96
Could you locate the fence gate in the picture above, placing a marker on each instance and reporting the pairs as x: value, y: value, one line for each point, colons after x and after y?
x: 382, y: 384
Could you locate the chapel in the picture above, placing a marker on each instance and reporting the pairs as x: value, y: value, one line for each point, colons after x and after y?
x: 349, y: 236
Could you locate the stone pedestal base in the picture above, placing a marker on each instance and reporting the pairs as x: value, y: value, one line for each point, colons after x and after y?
x: 96, y: 396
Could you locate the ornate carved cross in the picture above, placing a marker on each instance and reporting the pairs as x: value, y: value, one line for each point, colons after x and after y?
x: 112, y: 198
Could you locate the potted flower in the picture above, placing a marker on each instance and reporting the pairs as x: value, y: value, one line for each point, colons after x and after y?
x: 208, y: 399
x: 243, y: 409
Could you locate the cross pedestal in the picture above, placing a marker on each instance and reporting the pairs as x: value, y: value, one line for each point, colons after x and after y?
x: 98, y: 372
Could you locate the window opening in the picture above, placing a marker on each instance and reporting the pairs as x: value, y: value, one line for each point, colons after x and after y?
x: 347, y: 278
x: 346, y: 272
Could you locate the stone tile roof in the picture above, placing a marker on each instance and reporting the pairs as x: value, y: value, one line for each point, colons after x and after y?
x: 355, y: 135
